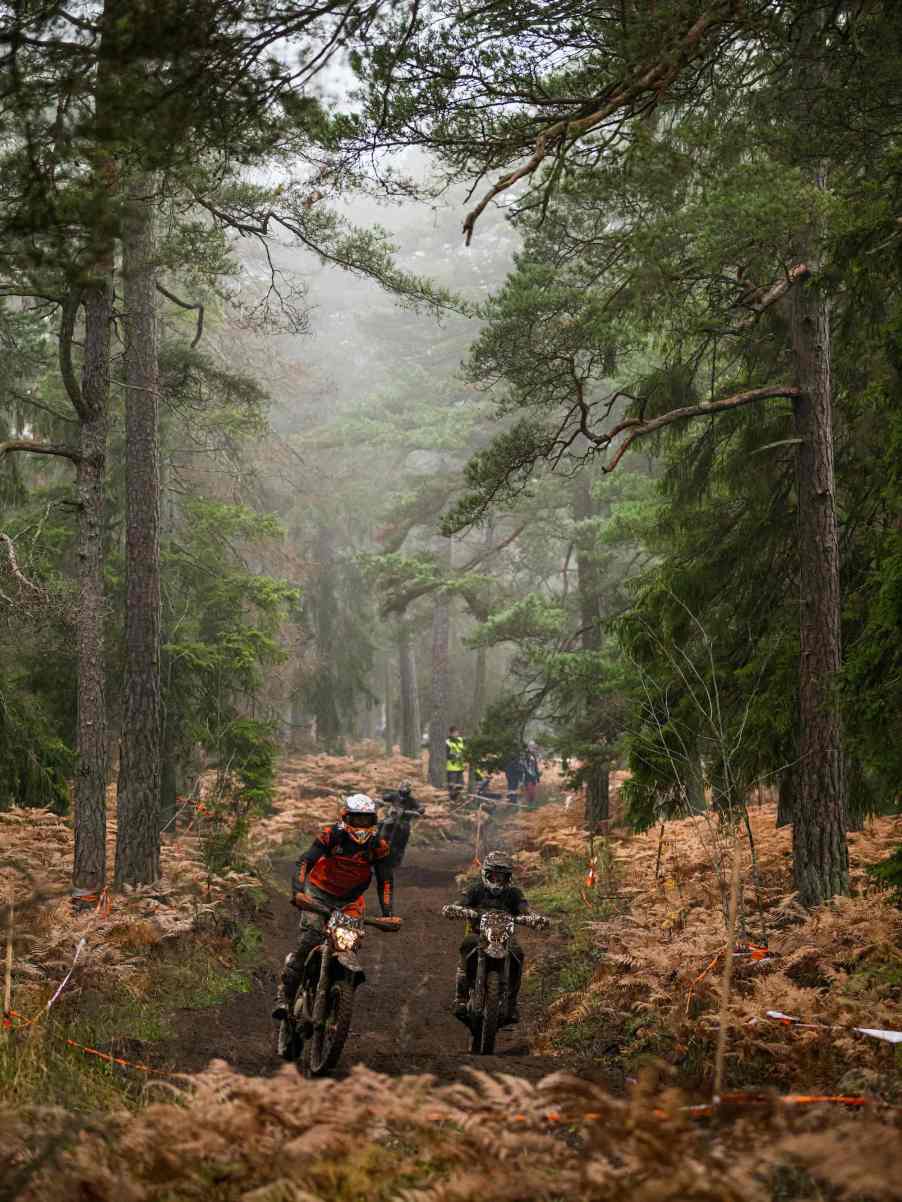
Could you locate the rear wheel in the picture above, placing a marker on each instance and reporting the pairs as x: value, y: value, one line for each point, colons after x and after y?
x: 324, y: 1047
x: 490, y: 1014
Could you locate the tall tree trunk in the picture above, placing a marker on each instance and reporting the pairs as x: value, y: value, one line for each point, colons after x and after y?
x: 598, y: 776
x: 89, y: 868
x: 387, y: 677
x: 438, y: 717
x: 324, y: 700
x: 820, y: 852
x: 786, y: 797
x: 479, y: 687
x: 138, y: 804
x: 479, y: 682
x: 598, y: 795
x: 411, y: 725
x: 859, y: 797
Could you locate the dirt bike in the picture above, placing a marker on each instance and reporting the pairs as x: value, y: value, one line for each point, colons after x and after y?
x: 318, y: 1023
x: 395, y: 830
x: 489, y: 972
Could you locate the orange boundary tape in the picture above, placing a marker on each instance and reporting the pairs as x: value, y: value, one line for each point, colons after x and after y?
x: 700, y: 1110
x: 9, y: 1024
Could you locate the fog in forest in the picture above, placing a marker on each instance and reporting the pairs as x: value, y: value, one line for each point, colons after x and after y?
x: 502, y: 401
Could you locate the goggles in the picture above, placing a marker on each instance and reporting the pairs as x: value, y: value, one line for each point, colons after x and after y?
x: 498, y: 876
x: 362, y: 820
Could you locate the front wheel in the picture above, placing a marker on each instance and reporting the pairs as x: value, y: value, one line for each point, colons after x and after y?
x: 324, y: 1047
x: 290, y: 1041
x: 490, y: 1014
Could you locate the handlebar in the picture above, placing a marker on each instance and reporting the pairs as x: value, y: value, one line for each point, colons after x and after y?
x: 302, y: 901
x: 464, y: 912
x: 458, y: 912
x: 384, y: 924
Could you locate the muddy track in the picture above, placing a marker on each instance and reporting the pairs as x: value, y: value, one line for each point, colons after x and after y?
x: 401, y: 1022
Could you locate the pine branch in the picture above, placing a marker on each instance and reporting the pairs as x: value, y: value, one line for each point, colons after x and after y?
x: 638, y: 428
x: 67, y: 333
x: 39, y: 448
x: 186, y: 305
x: 653, y: 79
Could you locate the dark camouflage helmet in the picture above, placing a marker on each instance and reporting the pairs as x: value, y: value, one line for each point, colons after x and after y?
x: 497, y: 871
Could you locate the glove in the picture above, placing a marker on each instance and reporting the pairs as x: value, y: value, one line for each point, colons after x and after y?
x: 537, y: 922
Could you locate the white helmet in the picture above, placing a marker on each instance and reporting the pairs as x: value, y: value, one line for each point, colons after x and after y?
x: 358, y: 817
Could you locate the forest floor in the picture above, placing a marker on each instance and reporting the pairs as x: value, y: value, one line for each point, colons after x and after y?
x: 402, y: 1023
x: 587, y: 1098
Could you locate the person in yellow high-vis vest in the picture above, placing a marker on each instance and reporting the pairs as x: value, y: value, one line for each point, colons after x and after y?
x: 455, y: 763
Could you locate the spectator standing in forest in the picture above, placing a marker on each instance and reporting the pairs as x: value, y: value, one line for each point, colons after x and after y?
x: 456, y: 764
x: 532, y: 772
x: 515, y: 771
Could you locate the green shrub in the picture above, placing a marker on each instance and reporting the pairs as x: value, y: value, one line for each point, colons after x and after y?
x: 889, y: 874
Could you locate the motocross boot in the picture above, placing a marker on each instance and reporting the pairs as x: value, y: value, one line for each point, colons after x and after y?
x: 281, y: 1005
x: 461, y: 991
x: 513, y: 1010
x: 286, y: 989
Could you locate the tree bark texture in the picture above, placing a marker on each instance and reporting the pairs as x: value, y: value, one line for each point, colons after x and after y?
x: 588, y: 583
x: 388, y: 681
x: 786, y: 796
x: 89, y: 868
x: 588, y: 576
x: 138, y: 802
x: 411, y: 725
x: 820, y: 852
x: 481, y: 666
x: 438, y: 715
x: 325, y: 705
x: 598, y: 796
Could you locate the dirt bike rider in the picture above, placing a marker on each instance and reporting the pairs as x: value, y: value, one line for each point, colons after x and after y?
x: 493, y: 891
x: 403, y: 798
x: 395, y: 826
x: 336, y: 871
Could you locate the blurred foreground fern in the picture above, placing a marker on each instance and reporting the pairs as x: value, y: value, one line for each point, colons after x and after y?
x: 238, y: 1139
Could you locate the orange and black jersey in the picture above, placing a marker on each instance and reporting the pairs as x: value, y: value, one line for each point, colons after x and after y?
x: 343, y: 868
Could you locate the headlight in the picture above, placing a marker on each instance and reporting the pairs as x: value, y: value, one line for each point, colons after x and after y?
x: 346, y: 938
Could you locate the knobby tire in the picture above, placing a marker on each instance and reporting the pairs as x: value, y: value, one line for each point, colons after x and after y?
x: 323, y: 1050
x: 490, y: 1014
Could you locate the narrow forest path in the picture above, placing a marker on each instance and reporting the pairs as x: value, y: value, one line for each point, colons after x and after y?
x: 402, y: 1022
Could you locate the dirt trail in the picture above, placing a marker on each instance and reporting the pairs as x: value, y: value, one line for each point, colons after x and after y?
x: 401, y: 1021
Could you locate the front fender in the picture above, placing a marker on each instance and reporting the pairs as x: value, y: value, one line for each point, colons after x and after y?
x: 351, y: 967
